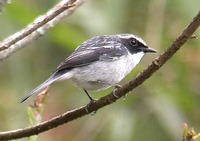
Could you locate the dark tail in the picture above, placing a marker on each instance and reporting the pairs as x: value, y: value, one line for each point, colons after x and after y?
x: 39, y: 88
x: 56, y: 76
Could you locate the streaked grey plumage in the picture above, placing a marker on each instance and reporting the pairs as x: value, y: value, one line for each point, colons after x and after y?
x: 99, y: 63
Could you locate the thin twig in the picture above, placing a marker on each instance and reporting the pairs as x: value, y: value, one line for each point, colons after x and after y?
x: 106, y: 100
x: 35, y: 26
x: 38, y: 27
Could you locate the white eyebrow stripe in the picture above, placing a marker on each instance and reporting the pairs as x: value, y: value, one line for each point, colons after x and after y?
x: 126, y: 36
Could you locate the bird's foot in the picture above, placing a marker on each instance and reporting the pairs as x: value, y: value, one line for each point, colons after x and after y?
x: 92, y: 100
x: 88, y: 105
x: 114, y: 91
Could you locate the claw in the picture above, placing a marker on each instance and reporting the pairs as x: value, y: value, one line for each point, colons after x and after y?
x: 124, y: 97
x: 118, y: 86
x: 114, y: 91
x: 88, y: 105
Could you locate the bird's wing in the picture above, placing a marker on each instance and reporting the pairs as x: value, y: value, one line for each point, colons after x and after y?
x: 86, y: 56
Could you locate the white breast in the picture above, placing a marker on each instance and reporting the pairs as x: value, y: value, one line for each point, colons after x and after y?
x: 103, y: 74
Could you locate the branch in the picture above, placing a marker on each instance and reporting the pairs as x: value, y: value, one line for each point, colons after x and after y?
x: 38, y: 27
x: 106, y: 100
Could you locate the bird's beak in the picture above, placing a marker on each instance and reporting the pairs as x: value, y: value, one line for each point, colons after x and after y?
x: 148, y: 49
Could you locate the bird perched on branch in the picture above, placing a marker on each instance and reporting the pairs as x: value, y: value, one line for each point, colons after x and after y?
x: 99, y: 63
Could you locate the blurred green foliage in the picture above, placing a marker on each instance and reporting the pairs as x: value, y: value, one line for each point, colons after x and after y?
x: 156, y: 110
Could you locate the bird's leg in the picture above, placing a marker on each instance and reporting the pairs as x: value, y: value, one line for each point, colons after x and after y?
x: 92, y: 100
x: 89, y: 96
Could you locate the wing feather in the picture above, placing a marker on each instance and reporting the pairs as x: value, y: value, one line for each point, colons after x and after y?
x: 101, y: 48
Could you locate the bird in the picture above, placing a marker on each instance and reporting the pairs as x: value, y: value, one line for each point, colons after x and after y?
x: 99, y: 63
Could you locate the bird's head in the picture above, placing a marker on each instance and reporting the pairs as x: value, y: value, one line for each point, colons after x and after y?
x: 134, y: 43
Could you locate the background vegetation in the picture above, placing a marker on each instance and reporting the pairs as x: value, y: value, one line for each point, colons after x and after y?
x: 154, y: 111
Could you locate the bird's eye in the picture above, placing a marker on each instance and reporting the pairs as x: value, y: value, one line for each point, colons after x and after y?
x: 133, y: 42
